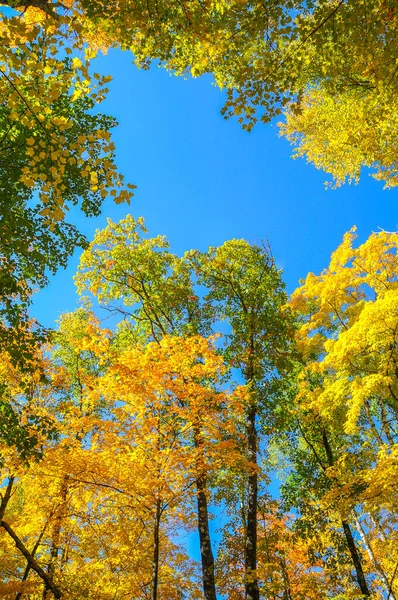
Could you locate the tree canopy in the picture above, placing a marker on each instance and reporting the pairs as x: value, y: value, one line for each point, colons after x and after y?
x: 117, y: 443
x: 155, y: 424
x: 316, y: 60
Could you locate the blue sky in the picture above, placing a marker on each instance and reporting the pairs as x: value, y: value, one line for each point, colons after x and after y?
x: 202, y: 180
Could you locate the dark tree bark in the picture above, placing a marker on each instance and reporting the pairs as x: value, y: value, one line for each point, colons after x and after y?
x: 251, y: 586
x: 355, y: 559
x: 33, y: 552
x: 156, y: 546
x: 6, y: 497
x: 206, y: 554
x: 360, y: 576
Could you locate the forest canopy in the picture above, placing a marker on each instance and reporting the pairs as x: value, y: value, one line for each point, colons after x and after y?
x: 210, y: 383
x: 156, y: 423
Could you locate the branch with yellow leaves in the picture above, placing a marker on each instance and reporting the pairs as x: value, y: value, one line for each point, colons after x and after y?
x: 32, y: 562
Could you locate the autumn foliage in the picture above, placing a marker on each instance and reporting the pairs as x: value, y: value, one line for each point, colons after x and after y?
x: 137, y: 461
x: 133, y: 437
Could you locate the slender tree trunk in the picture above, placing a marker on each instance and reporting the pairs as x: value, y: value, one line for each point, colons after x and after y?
x: 355, y: 559
x: 156, y: 546
x: 377, y: 566
x: 28, y: 567
x: 209, y: 587
x: 360, y: 576
x: 206, y: 554
x: 251, y: 586
x: 56, y: 533
x: 6, y: 497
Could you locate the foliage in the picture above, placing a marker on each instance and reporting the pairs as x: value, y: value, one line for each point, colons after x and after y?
x: 342, y: 438
x: 350, y: 321
x: 55, y: 154
x: 115, y: 442
x: 345, y: 133
x: 284, y: 559
x: 317, y: 60
x: 151, y: 425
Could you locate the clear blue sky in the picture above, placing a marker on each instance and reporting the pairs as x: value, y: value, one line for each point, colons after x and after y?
x: 202, y: 180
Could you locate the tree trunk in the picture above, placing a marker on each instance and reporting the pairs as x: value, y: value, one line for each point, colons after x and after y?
x: 56, y: 532
x: 156, y: 544
x: 206, y: 554
x: 355, y: 559
x: 360, y: 576
x: 251, y: 586
x: 5, y: 499
x: 377, y: 566
x: 28, y: 567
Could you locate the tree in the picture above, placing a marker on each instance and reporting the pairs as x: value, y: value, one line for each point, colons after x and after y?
x: 349, y: 324
x: 154, y: 293
x: 246, y: 290
x: 341, y: 134
x: 285, y: 567
x: 81, y: 502
x: 346, y: 390
x: 180, y: 425
x: 55, y: 154
x: 317, y: 452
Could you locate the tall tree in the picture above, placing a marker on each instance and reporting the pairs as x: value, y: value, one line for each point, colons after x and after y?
x: 347, y: 388
x: 141, y: 280
x: 246, y: 290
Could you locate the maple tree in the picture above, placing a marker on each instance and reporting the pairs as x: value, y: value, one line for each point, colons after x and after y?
x: 88, y: 475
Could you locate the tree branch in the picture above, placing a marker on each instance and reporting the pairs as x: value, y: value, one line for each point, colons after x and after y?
x: 31, y: 561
